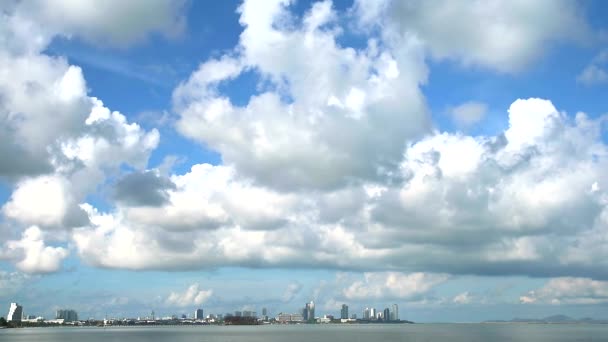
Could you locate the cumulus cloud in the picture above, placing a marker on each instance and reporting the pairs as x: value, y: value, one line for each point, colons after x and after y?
x: 61, y: 143
x: 569, y: 290
x: 468, y: 113
x: 45, y: 201
x: 483, y: 205
x: 514, y: 33
x: 115, y: 23
x: 193, y: 295
x: 31, y: 255
x: 146, y: 188
x: 326, y: 134
x: 393, y: 285
x: 331, y: 163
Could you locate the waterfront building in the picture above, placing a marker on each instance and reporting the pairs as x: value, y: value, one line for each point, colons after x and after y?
x: 15, y: 312
x: 289, y: 318
x: 344, y: 312
x: 247, y: 313
x: 366, y: 313
x: 238, y: 314
x: 372, y: 313
x: 198, y: 314
x: 67, y: 315
x: 310, y: 311
x: 395, y: 313
x: 387, y: 315
x: 264, y: 312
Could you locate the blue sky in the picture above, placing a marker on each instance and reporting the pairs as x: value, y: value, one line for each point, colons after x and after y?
x: 444, y: 156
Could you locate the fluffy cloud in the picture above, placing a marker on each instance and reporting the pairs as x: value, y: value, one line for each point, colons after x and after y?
x: 569, y: 290
x: 494, y: 193
x: 331, y: 163
x: 512, y: 34
x: 32, y: 255
x: 393, y: 285
x: 61, y: 143
x: 45, y: 201
x: 113, y: 22
x: 328, y: 133
x: 147, y: 188
x: 193, y: 295
x: 468, y: 113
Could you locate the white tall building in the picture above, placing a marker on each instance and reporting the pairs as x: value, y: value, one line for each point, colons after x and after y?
x: 395, y: 313
x: 14, y: 313
x: 372, y: 313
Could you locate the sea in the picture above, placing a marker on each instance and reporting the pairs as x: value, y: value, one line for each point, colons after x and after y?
x: 317, y: 333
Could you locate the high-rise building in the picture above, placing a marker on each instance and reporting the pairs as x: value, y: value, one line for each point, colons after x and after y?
x: 264, y: 312
x: 395, y: 313
x: 238, y: 314
x: 344, y: 312
x: 67, y: 315
x: 372, y: 313
x: 14, y: 313
x: 366, y: 313
x: 387, y: 315
x: 309, y: 311
x: 198, y: 314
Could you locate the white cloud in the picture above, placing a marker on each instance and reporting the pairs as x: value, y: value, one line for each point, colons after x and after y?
x: 393, y: 285
x: 112, y: 22
x: 462, y: 298
x: 494, y: 193
x: 569, y: 290
x: 193, y: 295
x: 31, y: 255
x: 43, y: 200
x: 59, y: 144
x: 468, y: 113
x: 514, y: 32
x: 364, y: 93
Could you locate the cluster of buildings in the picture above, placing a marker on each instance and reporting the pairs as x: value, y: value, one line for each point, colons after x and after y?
x: 16, y: 314
x: 369, y: 315
x: 305, y: 315
x: 386, y: 315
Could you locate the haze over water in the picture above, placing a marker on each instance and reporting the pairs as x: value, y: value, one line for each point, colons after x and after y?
x: 319, y: 333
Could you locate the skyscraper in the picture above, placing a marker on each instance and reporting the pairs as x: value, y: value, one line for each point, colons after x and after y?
x: 14, y: 313
x: 344, y: 311
x: 264, y: 312
x: 387, y: 315
x: 366, y: 313
x: 372, y: 313
x: 309, y: 311
x: 395, y: 313
x: 198, y: 314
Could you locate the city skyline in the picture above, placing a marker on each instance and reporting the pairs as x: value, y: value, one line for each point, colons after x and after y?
x: 445, y: 156
x: 306, y: 314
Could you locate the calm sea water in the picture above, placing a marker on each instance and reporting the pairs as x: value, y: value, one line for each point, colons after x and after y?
x: 318, y: 333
